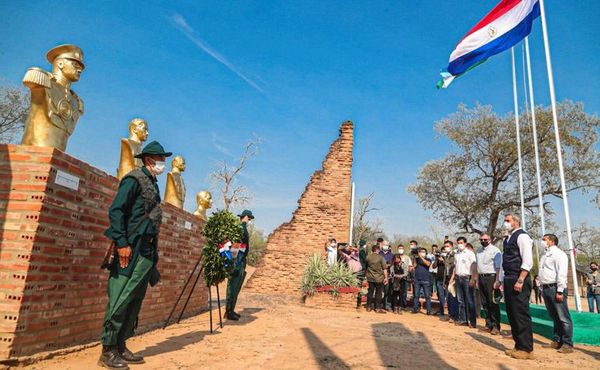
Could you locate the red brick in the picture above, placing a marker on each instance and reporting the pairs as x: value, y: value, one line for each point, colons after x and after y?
x: 323, y: 212
x: 66, y: 245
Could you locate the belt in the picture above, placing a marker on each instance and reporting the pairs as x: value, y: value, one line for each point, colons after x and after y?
x: 487, y: 274
x: 553, y: 285
x: 464, y: 276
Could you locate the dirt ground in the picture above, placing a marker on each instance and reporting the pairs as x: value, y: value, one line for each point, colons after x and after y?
x: 278, y: 334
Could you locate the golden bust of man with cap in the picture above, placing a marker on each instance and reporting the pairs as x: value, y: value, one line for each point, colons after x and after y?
x: 55, y: 108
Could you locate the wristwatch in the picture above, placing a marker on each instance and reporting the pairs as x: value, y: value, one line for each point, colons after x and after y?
x: 520, y: 281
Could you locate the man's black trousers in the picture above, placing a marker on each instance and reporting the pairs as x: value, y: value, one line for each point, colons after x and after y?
x: 517, y: 310
x: 375, y: 295
x: 492, y: 310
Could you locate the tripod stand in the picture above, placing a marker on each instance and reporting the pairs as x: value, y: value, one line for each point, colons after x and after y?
x: 190, y: 296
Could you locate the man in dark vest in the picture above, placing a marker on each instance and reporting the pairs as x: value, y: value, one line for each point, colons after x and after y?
x: 517, y: 261
x: 236, y: 280
x: 135, y: 218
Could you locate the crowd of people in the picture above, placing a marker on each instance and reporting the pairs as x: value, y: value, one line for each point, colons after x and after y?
x: 466, y: 280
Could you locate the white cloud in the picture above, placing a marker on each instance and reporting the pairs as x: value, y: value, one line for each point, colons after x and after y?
x: 190, y: 33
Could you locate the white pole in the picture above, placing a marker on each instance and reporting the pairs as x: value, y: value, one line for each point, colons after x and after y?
x: 561, y: 169
x: 518, y: 129
x: 535, y: 143
x: 351, y: 216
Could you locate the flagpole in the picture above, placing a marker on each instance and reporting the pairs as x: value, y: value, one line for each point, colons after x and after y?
x: 535, y: 144
x: 351, y: 216
x: 561, y: 169
x: 518, y: 129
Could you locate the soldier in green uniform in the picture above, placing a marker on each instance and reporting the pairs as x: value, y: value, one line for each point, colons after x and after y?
x: 235, y: 281
x: 135, y: 218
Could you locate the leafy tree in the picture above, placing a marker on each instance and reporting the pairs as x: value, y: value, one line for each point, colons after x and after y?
x: 14, y: 105
x: 222, y: 225
x: 587, y: 243
x: 258, y: 243
x: 475, y: 184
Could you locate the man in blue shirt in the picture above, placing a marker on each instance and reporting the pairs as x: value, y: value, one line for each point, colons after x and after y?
x: 422, y: 282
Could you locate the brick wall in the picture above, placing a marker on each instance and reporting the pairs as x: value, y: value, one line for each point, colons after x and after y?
x: 323, y: 212
x: 342, y: 301
x: 52, y: 291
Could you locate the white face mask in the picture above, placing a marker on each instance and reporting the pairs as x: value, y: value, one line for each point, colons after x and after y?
x: 386, y: 247
x: 461, y: 247
x: 159, y: 167
x: 508, y: 226
x: 401, y: 251
x: 333, y: 245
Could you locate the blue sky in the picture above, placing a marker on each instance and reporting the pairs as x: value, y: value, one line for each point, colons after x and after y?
x: 208, y: 75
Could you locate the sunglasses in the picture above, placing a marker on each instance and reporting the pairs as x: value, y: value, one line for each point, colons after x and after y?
x: 484, y: 240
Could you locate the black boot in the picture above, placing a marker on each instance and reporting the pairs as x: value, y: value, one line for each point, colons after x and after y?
x: 231, y: 316
x: 236, y: 314
x: 111, y: 359
x: 128, y: 356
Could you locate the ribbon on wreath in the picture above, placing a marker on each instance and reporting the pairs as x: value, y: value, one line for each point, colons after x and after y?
x: 225, y: 251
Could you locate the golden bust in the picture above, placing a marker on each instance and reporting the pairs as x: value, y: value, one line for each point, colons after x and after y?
x: 132, y: 146
x: 204, y: 200
x: 175, y: 189
x: 55, y: 108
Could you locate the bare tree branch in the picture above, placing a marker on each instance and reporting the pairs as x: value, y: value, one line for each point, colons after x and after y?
x: 225, y: 177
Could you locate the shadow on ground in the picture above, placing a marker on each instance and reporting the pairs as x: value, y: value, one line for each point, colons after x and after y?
x: 393, y: 341
x: 488, y: 341
x: 247, y: 316
x: 174, y: 343
x: 325, y: 357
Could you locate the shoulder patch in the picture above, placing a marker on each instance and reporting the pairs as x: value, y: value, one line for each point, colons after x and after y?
x: 36, y: 77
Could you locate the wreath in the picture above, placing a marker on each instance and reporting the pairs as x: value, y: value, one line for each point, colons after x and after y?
x: 222, y: 231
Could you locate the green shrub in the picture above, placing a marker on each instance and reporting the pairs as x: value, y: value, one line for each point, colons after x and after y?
x: 317, y: 274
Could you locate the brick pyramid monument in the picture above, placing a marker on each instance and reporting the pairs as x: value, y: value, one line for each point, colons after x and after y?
x: 323, y: 212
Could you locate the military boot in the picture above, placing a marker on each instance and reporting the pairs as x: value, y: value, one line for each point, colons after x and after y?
x: 129, y: 356
x: 230, y: 316
x: 111, y: 359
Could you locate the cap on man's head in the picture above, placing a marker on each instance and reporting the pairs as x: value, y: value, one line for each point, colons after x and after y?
x: 246, y: 213
x: 153, y: 148
x: 66, y: 51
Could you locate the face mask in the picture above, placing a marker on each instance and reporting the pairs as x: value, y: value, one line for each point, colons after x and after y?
x: 461, y: 247
x: 594, y: 268
x: 444, y: 254
x: 401, y: 251
x: 508, y: 226
x: 332, y: 245
x: 158, y: 167
x: 385, y: 247
x: 485, y: 244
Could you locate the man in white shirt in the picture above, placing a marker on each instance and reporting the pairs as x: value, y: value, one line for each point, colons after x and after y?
x: 489, y: 262
x: 406, y: 266
x: 554, y: 267
x: 331, y: 250
x: 465, y: 275
x: 517, y: 261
